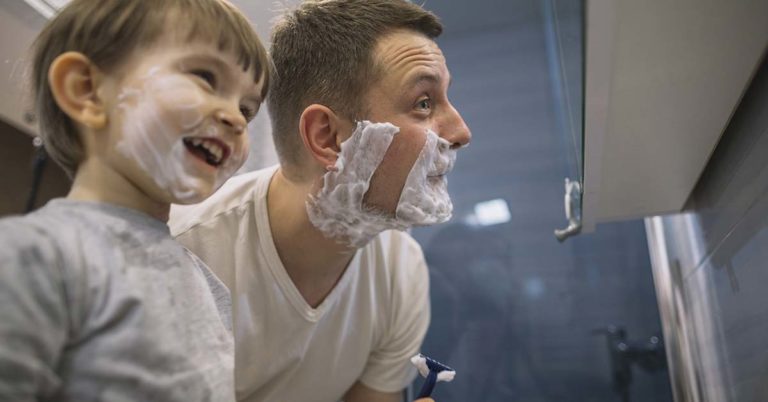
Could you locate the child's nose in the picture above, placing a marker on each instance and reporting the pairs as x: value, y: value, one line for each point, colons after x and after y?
x: 234, y: 121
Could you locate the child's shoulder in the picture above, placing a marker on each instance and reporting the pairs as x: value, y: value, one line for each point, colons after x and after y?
x: 33, y: 249
x: 34, y: 224
x: 48, y: 221
x: 55, y: 233
x: 68, y: 238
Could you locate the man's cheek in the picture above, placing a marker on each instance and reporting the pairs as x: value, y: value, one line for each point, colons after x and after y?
x: 389, y: 177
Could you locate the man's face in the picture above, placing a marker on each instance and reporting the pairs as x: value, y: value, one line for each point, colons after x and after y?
x: 177, y: 118
x: 412, y: 94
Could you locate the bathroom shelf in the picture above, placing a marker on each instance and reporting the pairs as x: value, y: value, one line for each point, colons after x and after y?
x: 662, y: 79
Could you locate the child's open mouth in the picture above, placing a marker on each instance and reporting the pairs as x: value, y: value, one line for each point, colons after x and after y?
x: 210, y: 150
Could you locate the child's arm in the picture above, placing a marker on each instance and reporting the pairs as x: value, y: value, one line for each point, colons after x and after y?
x: 33, y: 313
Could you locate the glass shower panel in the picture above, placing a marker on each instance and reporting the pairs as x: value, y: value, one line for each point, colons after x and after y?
x: 563, y: 26
x: 520, y: 316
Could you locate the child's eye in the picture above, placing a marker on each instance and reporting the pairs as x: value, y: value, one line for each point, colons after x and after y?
x: 247, y: 112
x: 207, y: 76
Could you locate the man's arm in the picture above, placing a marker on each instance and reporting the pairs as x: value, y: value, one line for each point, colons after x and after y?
x: 389, y: 367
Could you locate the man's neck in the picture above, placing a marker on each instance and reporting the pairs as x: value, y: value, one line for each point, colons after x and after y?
x: 314, y: 262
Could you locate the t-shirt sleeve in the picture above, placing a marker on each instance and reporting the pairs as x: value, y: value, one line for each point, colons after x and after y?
x: 389, y: 367
x: 214, y: 247
x: 33, y: 315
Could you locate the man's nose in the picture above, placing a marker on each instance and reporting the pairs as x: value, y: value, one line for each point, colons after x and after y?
x: 455, y: 130
x: 232, y: 120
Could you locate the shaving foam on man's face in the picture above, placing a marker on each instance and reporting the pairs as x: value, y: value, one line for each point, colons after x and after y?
x: 338, y: 209
x: 166, y: 131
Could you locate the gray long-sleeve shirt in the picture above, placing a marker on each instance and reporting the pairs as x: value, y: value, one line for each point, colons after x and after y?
x: 99, y: 303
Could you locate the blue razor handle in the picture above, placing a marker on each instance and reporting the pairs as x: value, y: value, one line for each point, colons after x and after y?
x: 435, y: 367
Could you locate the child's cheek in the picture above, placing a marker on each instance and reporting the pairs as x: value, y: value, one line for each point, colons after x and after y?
x: 180, y: 101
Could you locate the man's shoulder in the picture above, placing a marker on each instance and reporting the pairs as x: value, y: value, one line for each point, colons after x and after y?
x: 238, y: 192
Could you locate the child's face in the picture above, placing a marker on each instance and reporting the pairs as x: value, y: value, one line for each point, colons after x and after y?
x: 177, y: 118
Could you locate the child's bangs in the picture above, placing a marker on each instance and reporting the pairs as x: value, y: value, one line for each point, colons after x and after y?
x: 230, y: 31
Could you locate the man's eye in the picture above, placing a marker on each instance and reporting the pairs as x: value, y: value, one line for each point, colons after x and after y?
x: 207, y: 76
x: 424, y: 104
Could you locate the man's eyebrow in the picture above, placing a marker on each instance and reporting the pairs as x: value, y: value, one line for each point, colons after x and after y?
x: 427, y: 77
x: 423, y: 77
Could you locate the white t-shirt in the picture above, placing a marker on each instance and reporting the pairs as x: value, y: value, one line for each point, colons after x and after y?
x: 366, y: 329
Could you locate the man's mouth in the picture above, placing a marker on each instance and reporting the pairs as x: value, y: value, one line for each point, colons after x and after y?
x: 210, y: 150
x: 443, y: 165
x: 441, y: 171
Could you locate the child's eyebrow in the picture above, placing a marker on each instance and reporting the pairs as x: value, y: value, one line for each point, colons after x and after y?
x: 254, y: 98
x: 218, y: 62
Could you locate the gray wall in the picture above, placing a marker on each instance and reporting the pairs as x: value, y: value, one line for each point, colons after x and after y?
x: 716, y: 258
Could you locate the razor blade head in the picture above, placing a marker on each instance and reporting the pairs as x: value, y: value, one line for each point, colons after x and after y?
x: 435, y: 365
x: 427, y: 364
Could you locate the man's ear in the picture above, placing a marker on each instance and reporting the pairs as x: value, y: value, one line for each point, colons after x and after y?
x: 74, y: 82
x: 320, y: 129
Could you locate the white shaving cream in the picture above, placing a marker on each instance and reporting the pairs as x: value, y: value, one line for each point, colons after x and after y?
x: 338, y: 210
x: 158, y: 114
x: 421, y: 364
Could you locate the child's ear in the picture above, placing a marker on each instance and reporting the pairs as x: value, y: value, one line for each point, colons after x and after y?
x: 322, y: 133
x: 74, y: 82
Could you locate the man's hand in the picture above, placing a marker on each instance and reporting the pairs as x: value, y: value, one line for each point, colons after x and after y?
x: 361, y: 393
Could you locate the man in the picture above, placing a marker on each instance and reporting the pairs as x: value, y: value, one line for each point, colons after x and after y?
x: 329, y: 303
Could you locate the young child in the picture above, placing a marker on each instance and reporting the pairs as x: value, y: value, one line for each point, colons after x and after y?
x: 145, y: 103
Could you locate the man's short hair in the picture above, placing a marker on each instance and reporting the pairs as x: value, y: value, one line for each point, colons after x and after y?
x: 323, y: 53
x: 108, y: 32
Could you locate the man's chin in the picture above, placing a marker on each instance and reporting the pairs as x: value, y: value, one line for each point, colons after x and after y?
x: 431, y: 210
x: 441, y: 217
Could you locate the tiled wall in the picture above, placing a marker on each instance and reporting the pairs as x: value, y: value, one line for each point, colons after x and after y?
x: 721, y: 248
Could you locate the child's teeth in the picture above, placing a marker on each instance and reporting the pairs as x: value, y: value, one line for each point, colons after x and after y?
x: 216, y: 151
x: 196, y: 142
x: 213, y: 148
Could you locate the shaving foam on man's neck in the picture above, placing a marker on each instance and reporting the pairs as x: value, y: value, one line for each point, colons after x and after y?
x: 337, y: 210
x: 158, y: 114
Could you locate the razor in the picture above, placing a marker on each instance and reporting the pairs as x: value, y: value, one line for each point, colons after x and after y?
x: 433, y: 371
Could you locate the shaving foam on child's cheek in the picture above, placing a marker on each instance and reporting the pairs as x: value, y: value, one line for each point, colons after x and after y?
x: 157, y: 114
x: 337, y: 209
